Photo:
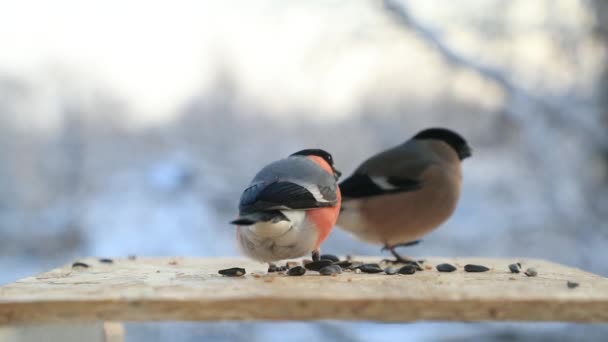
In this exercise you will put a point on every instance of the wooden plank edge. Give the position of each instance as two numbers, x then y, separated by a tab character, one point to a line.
583	311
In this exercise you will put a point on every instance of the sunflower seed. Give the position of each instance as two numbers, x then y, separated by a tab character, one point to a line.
407	269
344	263
317	265
390	270
514	268
291	264
232	272
531	272
572	285
475	268
370	268
445	268
331	257
296	271
330	270
80	264
106	261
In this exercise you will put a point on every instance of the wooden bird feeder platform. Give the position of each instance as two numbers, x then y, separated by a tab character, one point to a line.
190	289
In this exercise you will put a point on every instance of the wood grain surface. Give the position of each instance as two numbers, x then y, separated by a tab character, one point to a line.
190	289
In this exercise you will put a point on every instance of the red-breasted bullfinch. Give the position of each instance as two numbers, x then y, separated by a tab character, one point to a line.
401	194
289	208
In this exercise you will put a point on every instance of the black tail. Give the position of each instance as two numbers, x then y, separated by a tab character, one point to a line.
243	222
264	216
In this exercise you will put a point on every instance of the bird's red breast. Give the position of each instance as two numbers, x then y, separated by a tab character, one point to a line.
325	218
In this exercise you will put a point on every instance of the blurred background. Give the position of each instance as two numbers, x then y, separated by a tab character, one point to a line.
131	127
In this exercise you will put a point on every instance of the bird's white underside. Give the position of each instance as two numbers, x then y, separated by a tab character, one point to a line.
270	242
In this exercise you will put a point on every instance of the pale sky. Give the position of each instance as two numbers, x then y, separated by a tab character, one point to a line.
321	57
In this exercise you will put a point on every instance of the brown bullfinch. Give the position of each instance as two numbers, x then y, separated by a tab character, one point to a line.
289	208
403	193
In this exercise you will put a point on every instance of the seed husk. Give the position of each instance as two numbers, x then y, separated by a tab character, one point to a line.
317	265
232	272
331	270
106	261
445	268
370	268
475	268
531	272
572	284
344	263
296	271
407	269
291	264
390	270
359	265
355	264
331	257
514	268
80	264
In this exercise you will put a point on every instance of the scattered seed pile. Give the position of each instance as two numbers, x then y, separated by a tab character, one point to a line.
331	265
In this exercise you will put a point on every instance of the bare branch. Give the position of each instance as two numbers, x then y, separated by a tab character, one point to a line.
520	101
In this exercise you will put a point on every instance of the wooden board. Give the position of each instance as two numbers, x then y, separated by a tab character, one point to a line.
190	289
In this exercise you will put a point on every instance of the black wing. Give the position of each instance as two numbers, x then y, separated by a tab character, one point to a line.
279	195
359	185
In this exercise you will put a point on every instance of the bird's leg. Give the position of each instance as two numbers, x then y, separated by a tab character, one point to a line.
316	255
403	244
398	258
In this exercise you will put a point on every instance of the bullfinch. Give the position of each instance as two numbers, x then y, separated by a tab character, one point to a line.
289	208
403	193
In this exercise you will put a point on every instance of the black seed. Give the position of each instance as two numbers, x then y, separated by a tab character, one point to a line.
531	272
514	268
317	265
572	285
296	271
291	264
106	261
344	263
421	261
416	265
80	264
272	268
232	272
359	265
355	264
407	269
445	268
390	270
330	270
475	268
331	257
370	268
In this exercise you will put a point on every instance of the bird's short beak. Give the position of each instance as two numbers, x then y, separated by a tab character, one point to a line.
337	173
466	153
